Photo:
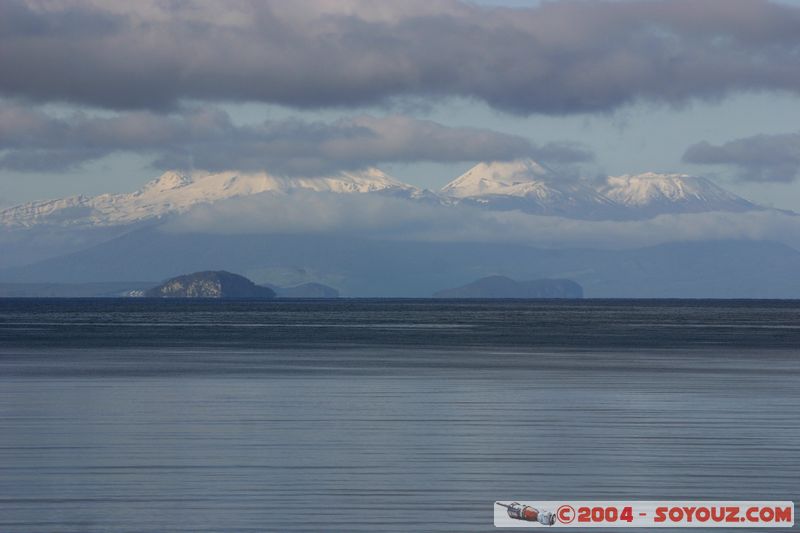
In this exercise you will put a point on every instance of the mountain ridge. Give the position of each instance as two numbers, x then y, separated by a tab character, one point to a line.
523	185
173	192
531	187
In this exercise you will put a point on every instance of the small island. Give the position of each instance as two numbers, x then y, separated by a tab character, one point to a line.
210	284
503	287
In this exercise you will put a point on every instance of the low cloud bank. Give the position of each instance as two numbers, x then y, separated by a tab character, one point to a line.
381	217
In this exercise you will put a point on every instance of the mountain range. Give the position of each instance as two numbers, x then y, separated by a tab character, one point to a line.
118	237
532	188
173	192
520	185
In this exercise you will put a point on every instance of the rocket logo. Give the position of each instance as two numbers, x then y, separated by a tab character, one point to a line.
517	511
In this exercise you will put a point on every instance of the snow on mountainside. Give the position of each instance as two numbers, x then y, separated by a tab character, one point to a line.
522	185
689	192
528	186
175	193
516	178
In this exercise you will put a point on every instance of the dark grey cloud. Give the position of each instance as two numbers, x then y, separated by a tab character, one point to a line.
206	138
563	152
758	158
558	57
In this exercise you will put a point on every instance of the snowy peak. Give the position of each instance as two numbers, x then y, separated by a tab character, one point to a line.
527	186
651	188
167	182
514	178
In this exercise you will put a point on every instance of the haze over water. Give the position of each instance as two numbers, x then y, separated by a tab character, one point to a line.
136	415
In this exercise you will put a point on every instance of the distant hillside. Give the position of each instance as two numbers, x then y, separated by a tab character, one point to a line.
373	268
503	287
209	284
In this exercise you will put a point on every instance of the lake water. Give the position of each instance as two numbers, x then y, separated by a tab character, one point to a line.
361	415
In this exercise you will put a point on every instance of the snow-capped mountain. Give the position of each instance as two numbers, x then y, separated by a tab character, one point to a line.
527	186
173	192
516	178
522	185
670	193
530	187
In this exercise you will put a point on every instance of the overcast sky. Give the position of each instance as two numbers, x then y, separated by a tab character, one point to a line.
101	96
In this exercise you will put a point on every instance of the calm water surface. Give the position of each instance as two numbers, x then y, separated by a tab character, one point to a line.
385	415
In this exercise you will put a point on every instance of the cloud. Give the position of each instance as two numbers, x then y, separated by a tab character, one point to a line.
556	58
384	217
762	158
206	138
